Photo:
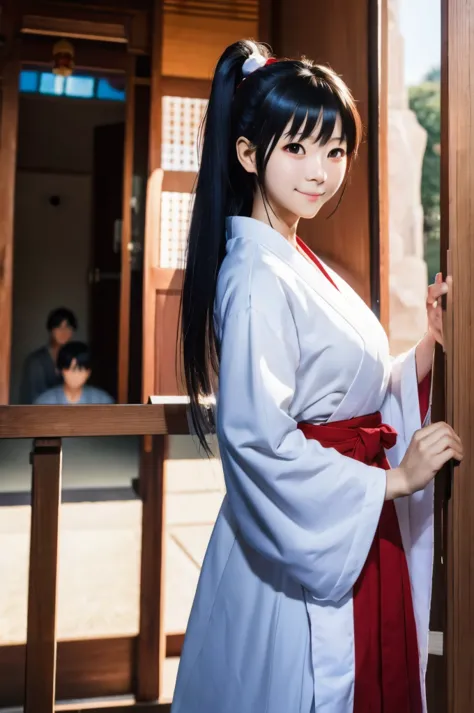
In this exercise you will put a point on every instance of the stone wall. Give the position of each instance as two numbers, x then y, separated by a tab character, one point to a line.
406	145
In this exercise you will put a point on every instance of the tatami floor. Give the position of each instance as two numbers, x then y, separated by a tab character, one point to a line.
99	560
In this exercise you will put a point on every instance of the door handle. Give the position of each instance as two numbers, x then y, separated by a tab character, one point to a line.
96	276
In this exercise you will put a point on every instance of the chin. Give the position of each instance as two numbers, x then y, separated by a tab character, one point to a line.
309	214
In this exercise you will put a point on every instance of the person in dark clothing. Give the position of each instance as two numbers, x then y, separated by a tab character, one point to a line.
74	365
39	371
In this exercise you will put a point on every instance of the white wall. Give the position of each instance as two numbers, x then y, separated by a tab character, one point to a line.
52	244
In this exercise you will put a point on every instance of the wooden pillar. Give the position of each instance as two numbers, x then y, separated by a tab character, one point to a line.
153	207
8	149
40	680
152	639
458	207
346	36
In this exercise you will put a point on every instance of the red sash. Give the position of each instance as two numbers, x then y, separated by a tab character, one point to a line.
387	678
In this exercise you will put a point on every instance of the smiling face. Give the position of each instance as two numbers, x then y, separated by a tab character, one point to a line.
301	176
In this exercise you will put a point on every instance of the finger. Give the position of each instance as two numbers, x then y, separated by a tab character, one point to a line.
435	444
444	457
434	428
428	436
436	290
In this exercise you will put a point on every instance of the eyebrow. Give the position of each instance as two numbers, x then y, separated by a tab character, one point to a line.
297	137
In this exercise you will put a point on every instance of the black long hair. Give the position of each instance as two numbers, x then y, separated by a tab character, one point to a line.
258	107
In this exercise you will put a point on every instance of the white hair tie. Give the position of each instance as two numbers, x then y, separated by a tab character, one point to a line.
255	61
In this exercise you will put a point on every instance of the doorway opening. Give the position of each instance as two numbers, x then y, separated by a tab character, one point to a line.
68	214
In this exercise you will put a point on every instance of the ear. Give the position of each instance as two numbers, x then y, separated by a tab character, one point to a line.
246	154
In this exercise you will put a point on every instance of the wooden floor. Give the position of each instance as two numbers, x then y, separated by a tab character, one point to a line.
100	554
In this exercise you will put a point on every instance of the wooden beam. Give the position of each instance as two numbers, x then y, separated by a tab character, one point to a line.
185	87
150	264
38	51
86	668
110	707
151	650
40	678
80	29
80	421
156	87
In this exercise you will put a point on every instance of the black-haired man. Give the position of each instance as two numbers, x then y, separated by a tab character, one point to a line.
74	365
39	370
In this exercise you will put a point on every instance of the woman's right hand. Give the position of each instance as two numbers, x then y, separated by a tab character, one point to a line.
430	448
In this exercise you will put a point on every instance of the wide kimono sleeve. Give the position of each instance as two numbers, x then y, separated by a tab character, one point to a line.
406	408
307	507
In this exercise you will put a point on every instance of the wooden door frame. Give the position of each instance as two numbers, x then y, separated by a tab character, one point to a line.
458	226
29	51
75	669
8	158
125	269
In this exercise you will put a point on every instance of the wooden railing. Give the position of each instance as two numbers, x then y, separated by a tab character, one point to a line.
142	657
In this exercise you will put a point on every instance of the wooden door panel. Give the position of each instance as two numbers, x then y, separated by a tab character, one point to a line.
309	29
168	374
105	275
457	205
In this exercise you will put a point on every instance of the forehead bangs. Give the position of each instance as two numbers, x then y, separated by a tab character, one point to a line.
310	106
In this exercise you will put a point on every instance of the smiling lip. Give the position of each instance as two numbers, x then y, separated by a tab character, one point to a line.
311	196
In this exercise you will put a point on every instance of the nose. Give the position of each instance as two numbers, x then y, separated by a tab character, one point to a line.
317	172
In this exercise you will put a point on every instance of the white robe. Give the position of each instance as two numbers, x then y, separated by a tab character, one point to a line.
271	628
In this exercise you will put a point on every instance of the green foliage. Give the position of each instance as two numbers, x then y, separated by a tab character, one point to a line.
425	101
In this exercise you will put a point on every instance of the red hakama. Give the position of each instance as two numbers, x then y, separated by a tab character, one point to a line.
387	676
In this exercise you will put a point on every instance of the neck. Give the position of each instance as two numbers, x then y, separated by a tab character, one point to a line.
72	395
53	350
283	222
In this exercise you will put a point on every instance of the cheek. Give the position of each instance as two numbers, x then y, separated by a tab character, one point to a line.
281	173
338	173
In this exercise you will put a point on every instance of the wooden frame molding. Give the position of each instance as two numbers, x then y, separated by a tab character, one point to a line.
458	210
113	420
125	281
8	152
74	28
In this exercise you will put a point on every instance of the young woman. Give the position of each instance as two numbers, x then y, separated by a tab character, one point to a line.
315	590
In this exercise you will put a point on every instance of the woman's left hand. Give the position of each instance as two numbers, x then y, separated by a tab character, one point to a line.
433	306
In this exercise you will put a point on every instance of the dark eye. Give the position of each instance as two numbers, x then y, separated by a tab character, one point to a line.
337	153
295	149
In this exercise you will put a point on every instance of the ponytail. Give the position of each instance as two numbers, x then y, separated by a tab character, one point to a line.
206	244
292	93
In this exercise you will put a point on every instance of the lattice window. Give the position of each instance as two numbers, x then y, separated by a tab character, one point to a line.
182	118
175	214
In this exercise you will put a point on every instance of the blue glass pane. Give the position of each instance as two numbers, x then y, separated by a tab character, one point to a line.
106	91
51	84
28	81
80	87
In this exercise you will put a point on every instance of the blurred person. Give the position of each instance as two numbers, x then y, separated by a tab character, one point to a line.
39	370
74	367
